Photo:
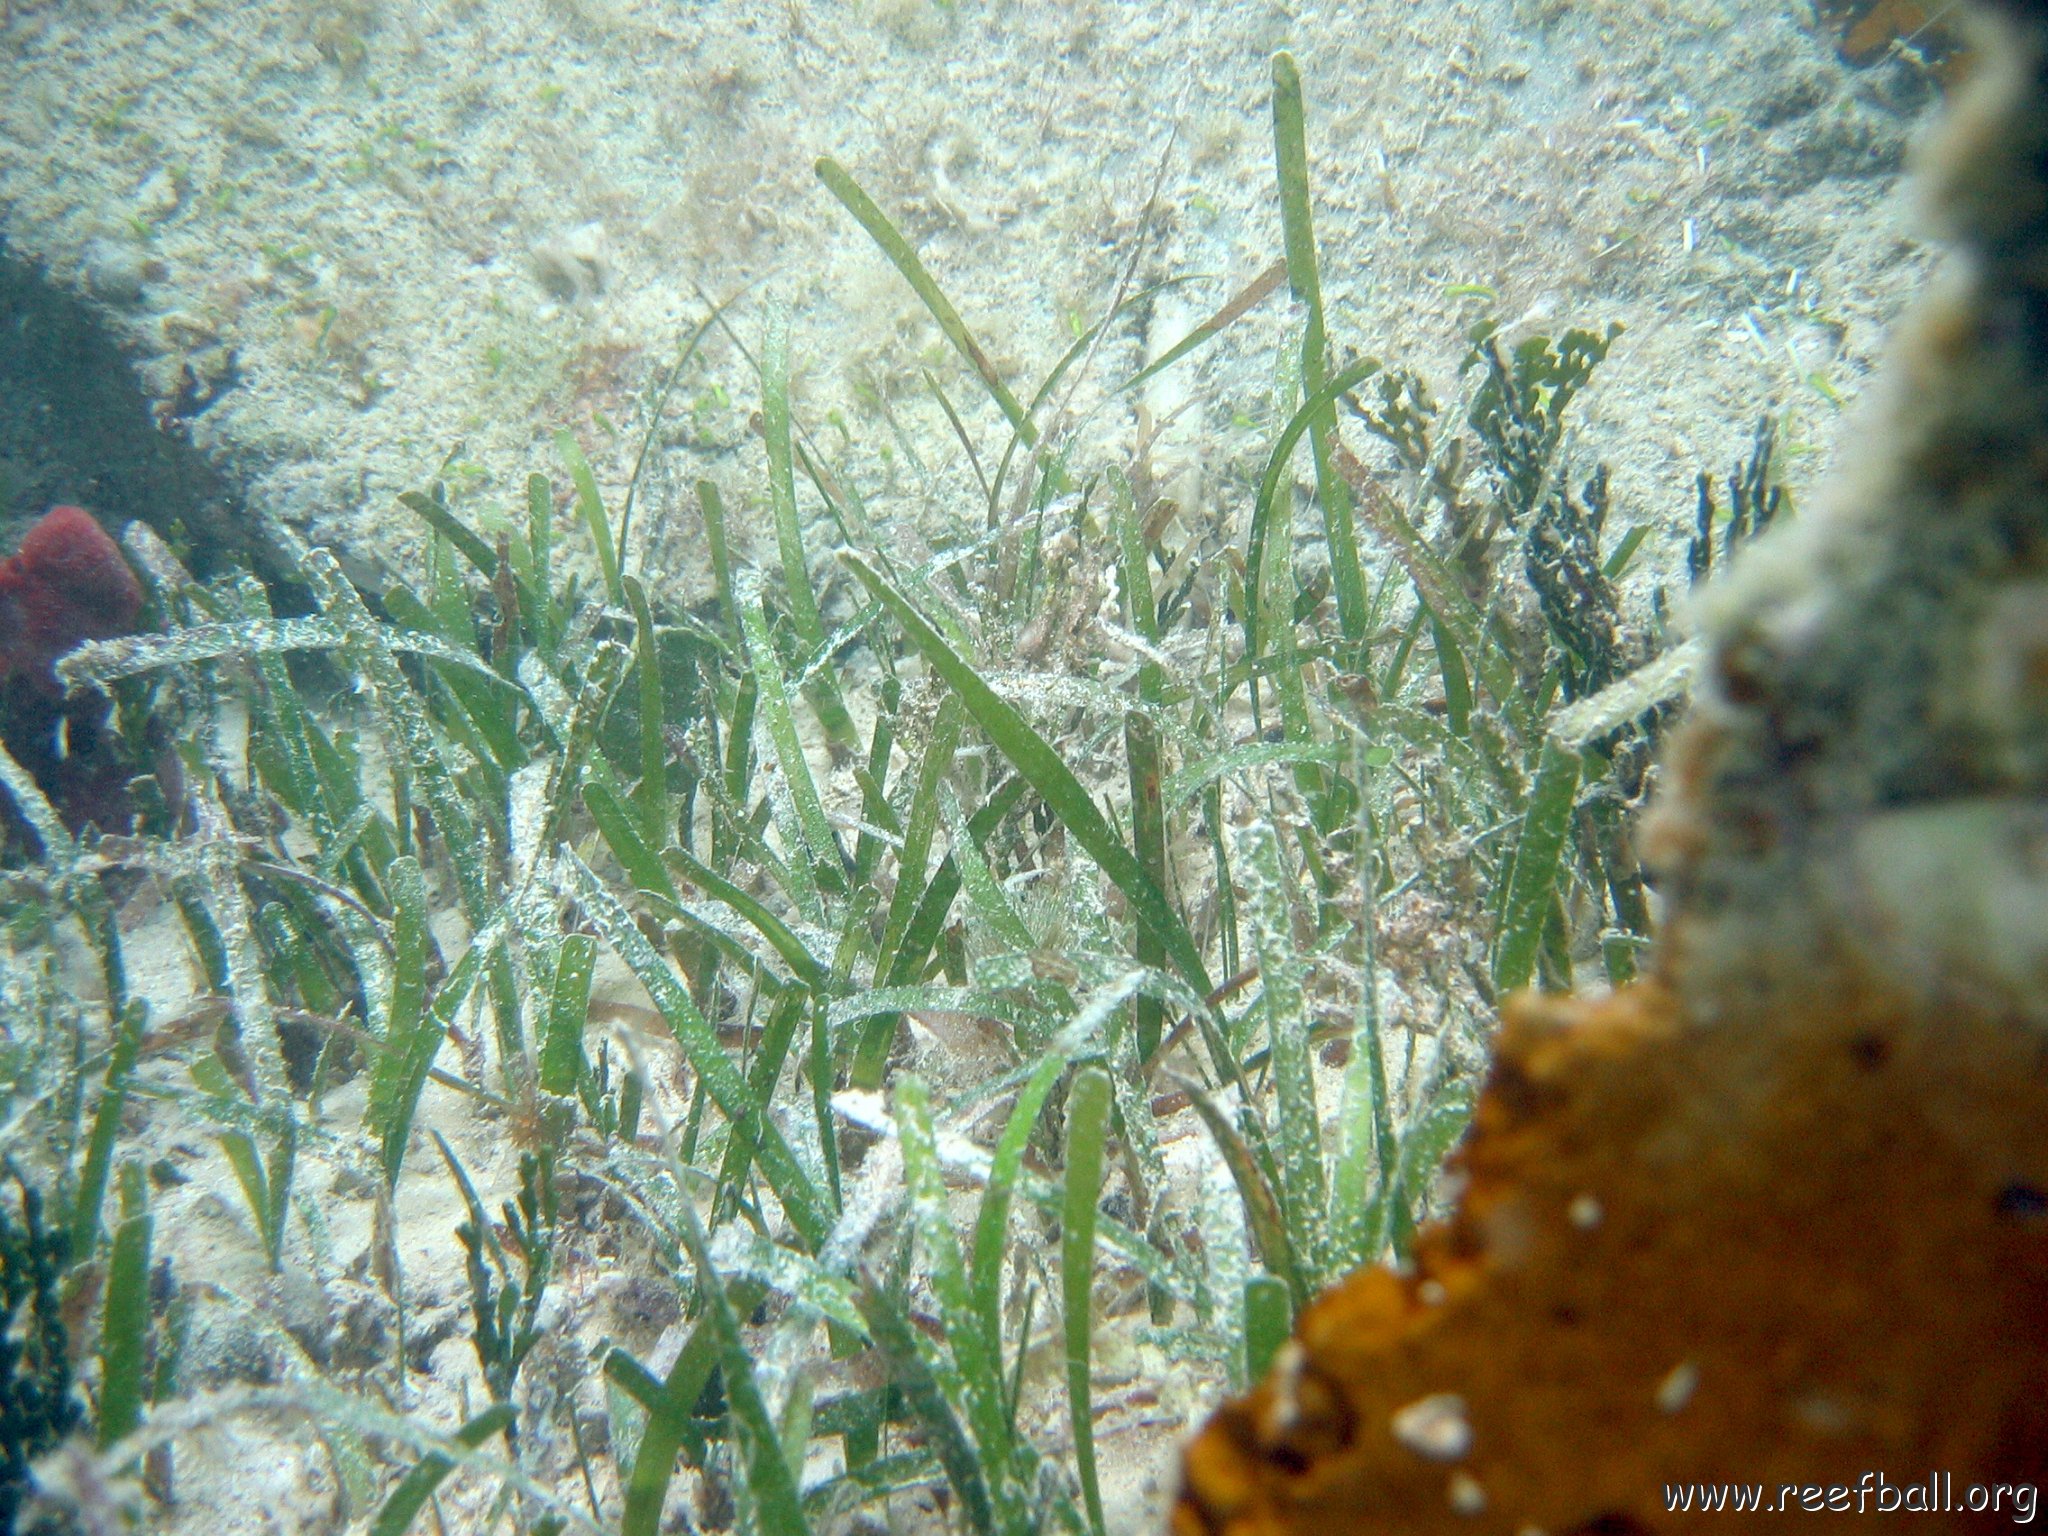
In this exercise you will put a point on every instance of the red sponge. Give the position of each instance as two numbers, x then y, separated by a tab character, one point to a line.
66	584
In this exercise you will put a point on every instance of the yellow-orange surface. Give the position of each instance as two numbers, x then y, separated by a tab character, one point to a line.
1796	1251
1866	31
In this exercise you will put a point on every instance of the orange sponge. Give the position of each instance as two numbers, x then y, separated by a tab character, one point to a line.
1810	1260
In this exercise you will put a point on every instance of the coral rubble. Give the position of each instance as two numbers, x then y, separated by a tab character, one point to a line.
1777	1218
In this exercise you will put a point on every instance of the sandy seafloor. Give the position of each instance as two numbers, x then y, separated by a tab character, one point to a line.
411	231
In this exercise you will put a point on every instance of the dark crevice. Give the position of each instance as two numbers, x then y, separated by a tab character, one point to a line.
76	427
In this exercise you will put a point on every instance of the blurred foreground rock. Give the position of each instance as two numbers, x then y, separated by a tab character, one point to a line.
1779	1217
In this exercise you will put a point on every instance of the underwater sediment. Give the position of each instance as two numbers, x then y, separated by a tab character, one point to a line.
1777	1217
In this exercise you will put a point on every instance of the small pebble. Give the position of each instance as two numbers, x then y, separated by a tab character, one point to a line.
116	273
1465	1494
157	198
1435	1427
1584	1213
1676	1389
